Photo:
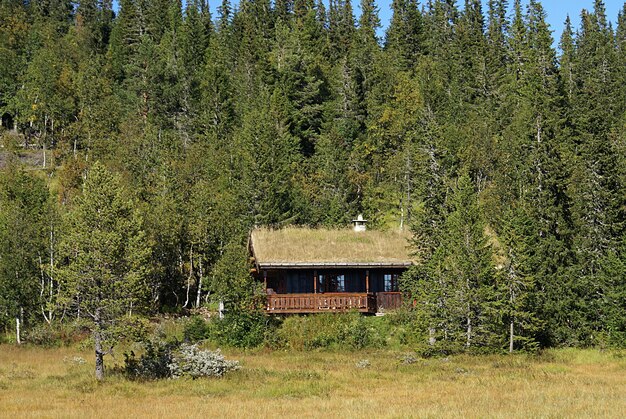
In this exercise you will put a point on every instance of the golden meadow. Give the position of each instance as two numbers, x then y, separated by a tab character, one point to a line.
59	383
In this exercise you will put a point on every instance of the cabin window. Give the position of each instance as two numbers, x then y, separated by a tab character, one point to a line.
391	282
341	283
332	283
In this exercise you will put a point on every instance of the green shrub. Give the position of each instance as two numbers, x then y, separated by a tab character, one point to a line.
242	329
57	334
325	331
197	329
153	364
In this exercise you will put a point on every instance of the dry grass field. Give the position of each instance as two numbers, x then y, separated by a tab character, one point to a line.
36	382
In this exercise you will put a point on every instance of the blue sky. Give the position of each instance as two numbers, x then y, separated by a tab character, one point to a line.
557	11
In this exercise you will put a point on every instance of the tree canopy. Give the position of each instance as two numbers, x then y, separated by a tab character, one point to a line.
504	156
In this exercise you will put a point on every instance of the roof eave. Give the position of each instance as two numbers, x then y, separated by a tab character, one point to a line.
327	265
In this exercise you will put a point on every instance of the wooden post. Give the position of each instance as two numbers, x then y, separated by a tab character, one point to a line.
314	282
367	281
265	281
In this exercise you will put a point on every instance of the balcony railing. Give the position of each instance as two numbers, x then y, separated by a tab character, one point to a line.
319	303
386	301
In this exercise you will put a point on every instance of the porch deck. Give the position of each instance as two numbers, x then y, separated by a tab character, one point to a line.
332	302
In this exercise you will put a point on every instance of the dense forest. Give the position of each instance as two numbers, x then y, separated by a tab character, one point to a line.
140	145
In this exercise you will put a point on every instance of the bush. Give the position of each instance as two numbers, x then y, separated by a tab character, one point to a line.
153	364
59	334
346	331
243	329
361	332
192	362
197	329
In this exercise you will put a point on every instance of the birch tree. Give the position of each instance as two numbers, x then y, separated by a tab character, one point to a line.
24	211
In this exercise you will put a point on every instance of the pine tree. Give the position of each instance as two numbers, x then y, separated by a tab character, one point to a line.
93	21
534	175
497	55
269	158
107	253
341	30
613	310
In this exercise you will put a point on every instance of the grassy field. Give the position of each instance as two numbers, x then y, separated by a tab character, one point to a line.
37	382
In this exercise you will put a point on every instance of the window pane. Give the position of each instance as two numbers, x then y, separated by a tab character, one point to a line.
341	283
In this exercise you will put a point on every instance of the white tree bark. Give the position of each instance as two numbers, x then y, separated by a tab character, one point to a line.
18	336
190	276
199	294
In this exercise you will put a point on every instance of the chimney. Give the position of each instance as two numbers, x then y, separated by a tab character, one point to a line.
359	223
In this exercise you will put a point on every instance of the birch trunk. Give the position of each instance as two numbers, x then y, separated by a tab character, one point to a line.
189	277
469	331
18	337
199	294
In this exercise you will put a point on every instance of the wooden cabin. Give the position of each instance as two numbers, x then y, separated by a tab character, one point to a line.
320	270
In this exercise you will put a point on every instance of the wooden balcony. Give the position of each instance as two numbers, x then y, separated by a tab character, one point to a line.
321	303
386	301
332	302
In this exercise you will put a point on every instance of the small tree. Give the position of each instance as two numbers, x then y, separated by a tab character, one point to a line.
231	280
455	288
106	250
516	280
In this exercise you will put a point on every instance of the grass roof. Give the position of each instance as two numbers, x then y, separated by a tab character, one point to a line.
306	245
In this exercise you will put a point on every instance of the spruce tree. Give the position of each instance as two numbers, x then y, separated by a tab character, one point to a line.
595	186
458	293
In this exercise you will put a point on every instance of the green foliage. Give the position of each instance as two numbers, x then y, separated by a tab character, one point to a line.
107	250
25	214
242	329
330	331
153	364
503	156
58	334
107	253
455	291
231	280
195	330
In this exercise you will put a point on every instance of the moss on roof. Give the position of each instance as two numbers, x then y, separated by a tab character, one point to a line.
306	245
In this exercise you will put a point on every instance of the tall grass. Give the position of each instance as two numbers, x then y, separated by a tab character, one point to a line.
37	382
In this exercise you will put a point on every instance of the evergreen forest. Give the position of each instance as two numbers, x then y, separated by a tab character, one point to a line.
141	143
